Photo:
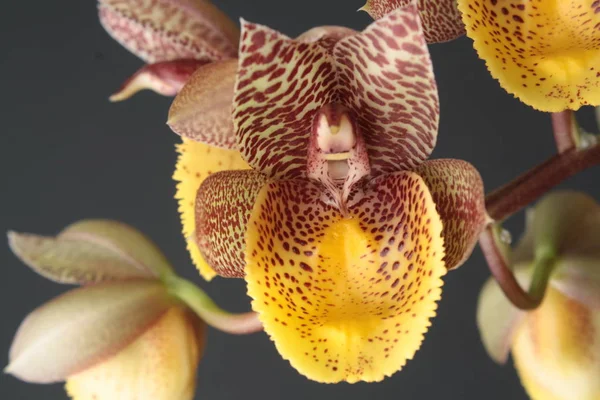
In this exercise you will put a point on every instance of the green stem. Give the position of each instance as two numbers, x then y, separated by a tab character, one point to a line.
497	254
209	311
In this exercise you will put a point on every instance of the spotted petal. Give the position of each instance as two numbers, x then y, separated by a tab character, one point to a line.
457	191
91	251
441	18
202	109
223	206
383	75
195	163
546	53
164	30
346	298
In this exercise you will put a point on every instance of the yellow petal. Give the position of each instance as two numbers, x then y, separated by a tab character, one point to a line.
557	350
197	161
346	299
546	53
160	365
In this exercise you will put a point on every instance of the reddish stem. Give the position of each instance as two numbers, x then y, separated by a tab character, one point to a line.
527	188
564	127
503	274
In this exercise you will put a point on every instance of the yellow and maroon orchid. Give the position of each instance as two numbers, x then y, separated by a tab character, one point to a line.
440	18
133	330
174	37
341	229
546	53
554	347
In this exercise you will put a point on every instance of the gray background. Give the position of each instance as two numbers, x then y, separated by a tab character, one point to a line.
66	153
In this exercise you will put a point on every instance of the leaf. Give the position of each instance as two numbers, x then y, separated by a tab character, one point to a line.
83	327
91	251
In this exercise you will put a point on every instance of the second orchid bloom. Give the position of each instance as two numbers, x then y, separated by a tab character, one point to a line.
341	228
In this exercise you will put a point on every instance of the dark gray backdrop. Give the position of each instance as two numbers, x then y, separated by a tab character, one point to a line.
66	153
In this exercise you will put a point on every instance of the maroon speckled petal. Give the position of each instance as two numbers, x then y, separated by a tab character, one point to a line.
223	206
457	190
163	30
441	18
202	109
165	77
383	75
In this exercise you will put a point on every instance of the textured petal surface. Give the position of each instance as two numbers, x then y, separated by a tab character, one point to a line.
83	327
223	206
557	351
457	191
346	299
546	53
166	78
383	75
91	251
497	318
163	30
195	163
159	365
441	18
202	110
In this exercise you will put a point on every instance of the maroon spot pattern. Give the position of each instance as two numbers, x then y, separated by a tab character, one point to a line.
164	30
384	75
387	284
223	205
441	18
457	191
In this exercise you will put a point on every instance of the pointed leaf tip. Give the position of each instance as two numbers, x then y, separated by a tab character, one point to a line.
90	251
165	78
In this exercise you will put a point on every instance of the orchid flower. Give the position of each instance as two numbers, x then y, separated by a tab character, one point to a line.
554	347
440	18
133	330
173	37
546	53
341	229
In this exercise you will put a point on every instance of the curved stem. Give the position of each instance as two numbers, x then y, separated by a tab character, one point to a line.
496	256
566	134
528	187
209	311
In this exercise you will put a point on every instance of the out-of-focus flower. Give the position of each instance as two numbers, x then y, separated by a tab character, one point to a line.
546	53
125	334
342	229
174	37
555	347
441	19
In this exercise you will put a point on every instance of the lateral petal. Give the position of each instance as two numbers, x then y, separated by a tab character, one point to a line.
224	203
164	30
457	191
346	298
195	163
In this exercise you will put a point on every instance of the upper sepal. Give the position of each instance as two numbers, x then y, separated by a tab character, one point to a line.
383	75
457	191
441	18
91	251
83	327
164	30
